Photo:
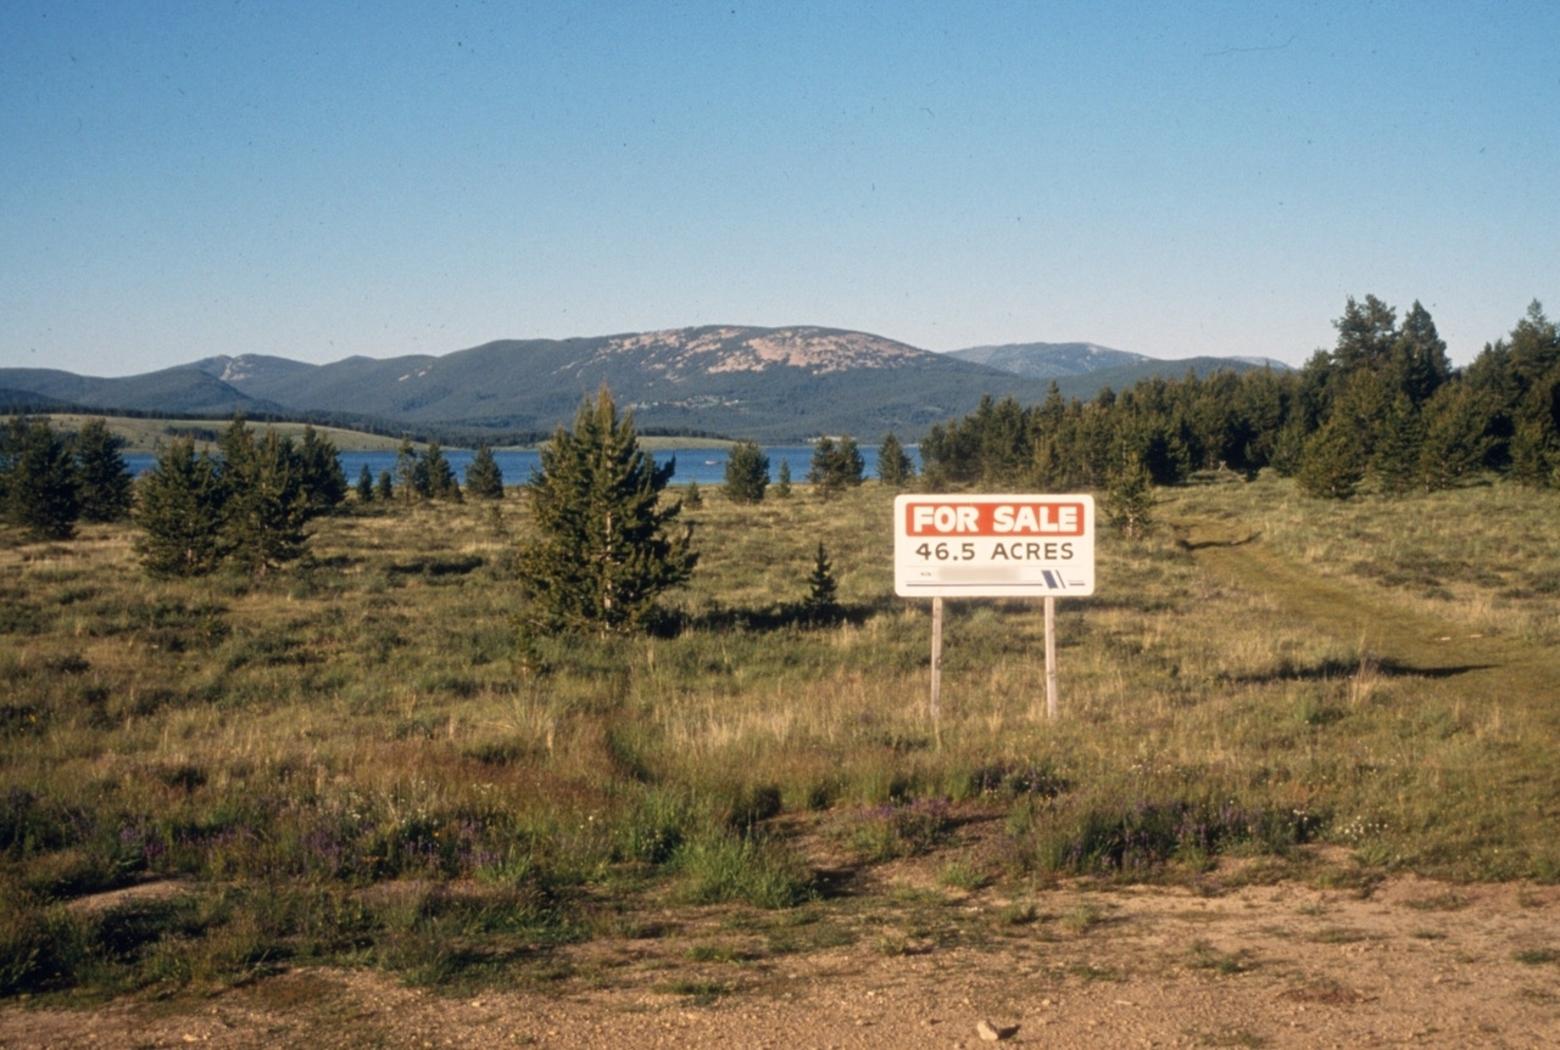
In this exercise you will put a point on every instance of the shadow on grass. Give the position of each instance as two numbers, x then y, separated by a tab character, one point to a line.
1198	545
1332	670
835	883
455	565
778	617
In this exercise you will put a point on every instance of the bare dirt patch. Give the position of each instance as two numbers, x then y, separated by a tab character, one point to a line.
1415	962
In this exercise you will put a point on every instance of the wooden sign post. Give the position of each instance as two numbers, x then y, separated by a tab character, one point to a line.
1050	657
994	547
935	707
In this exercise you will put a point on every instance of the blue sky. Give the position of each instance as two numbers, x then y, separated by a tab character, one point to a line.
318	180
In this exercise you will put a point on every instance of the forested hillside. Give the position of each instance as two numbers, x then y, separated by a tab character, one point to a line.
1383	409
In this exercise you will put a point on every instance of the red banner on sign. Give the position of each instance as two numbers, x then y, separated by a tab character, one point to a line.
1025	518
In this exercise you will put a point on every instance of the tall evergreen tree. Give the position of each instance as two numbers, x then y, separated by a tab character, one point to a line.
894	466
41	488
783	480
441	483
266	505
1420	365
1456	422
101	474
747	473
484	479
12	436
1535	413
1129	496
1399	446
1360	410
236	447
1535	453
1331	466
835	465
603	547
1367	334
324	482
1289	447
1047	470
179	511
411	472
384	487
365	485
818	469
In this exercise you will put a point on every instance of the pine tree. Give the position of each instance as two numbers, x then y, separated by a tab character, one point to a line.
849	465
747	473
1289	447
12	437
439	477
1129	497
693	499
835	466
41	493
1399	444
483	478
1367	333
1421	365
384	488
266	505
818	471
236	447
1048	469
411	472
365	485
603	549
893	464
783	480
821	604
1456	440
1331	466
179	511
102	478
324	482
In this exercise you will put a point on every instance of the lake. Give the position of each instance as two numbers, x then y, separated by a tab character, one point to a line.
707	466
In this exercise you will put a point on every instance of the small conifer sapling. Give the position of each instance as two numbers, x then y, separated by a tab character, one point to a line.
822	603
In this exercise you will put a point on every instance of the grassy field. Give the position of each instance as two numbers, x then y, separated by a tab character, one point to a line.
151	435
359	762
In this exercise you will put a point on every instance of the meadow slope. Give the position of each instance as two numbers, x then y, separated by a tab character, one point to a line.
1332	726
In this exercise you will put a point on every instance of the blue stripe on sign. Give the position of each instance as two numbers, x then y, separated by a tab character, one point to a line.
1050	581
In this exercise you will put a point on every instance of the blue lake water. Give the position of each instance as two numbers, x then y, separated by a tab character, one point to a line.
707	466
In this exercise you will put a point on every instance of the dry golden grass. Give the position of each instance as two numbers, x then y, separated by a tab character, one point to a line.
365	719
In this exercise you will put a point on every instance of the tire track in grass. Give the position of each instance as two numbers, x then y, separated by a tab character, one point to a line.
1480	667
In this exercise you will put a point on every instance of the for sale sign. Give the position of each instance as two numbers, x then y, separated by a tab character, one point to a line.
994	546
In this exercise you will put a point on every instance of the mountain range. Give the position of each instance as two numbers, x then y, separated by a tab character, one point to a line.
771	384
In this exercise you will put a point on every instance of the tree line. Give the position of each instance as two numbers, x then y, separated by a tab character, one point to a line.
246	505
1383	409
49	482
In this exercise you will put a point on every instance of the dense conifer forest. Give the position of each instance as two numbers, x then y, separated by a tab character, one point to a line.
1383	409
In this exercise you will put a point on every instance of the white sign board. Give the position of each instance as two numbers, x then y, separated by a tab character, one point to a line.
962	546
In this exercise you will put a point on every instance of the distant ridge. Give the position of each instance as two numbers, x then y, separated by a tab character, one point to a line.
184	389
1089	384
771	384
1048	360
